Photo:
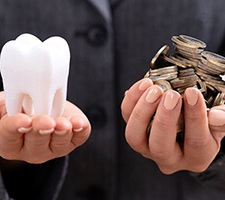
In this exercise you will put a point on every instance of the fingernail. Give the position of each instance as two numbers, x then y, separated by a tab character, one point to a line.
125	93
24	130
145	84
216	117
171	100
63	132
46	132
192	96
153	95
78	129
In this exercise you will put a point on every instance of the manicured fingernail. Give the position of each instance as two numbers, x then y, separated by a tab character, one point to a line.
217	117
145	84
171	100
46	132
24	130
78	129
153	95
192	96
125	92
63	132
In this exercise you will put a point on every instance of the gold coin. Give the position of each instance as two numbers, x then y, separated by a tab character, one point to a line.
165	85
174	61
213	57
191	67
162	51
193	41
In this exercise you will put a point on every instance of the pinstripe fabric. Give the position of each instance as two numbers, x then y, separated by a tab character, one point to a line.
111	45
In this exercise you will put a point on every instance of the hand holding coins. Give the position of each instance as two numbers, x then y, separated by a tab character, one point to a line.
179	135
189	66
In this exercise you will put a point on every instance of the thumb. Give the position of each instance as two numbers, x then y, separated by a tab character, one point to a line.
216	118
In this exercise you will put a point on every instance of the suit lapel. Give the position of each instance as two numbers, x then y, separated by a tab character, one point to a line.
103	7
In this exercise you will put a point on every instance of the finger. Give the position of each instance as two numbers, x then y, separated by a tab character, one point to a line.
132	96
15	123
61	137
81	127
2	105
43	124
71	110
37	141
11	138
140	117
63	125
81	130
13	127
216	118
162	141
200	146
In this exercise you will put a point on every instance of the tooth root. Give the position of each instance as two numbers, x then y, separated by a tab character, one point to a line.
13	103
58	102
28	106
35	75
42	105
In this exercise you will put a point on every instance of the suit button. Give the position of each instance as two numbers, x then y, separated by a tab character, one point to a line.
97	34
97	116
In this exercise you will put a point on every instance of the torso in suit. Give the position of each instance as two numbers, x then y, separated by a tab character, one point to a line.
111	45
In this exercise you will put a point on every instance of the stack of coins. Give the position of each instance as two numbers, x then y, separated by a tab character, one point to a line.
210	69
189	66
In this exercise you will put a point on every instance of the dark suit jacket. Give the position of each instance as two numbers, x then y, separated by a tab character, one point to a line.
111	45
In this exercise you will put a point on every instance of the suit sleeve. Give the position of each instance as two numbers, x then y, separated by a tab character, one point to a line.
34	181
214	176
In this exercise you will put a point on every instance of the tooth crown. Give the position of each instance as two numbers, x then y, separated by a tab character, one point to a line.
35	75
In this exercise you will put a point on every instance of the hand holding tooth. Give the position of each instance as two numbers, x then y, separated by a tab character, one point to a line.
37	123
41	138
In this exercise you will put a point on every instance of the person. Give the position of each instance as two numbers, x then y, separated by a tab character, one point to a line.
111	44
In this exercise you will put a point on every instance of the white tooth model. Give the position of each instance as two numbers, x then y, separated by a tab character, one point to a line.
35	75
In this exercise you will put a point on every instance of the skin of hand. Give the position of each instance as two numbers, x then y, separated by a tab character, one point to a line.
40	138
217	121
201	140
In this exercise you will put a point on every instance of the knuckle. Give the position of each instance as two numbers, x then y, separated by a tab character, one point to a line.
146	155
140	115
159	154
166	170
196	143
194	116
170	166
58	147
130	139
35	160
162	123
199	168
8	156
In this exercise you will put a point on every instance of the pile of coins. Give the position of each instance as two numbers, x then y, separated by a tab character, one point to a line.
189	66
